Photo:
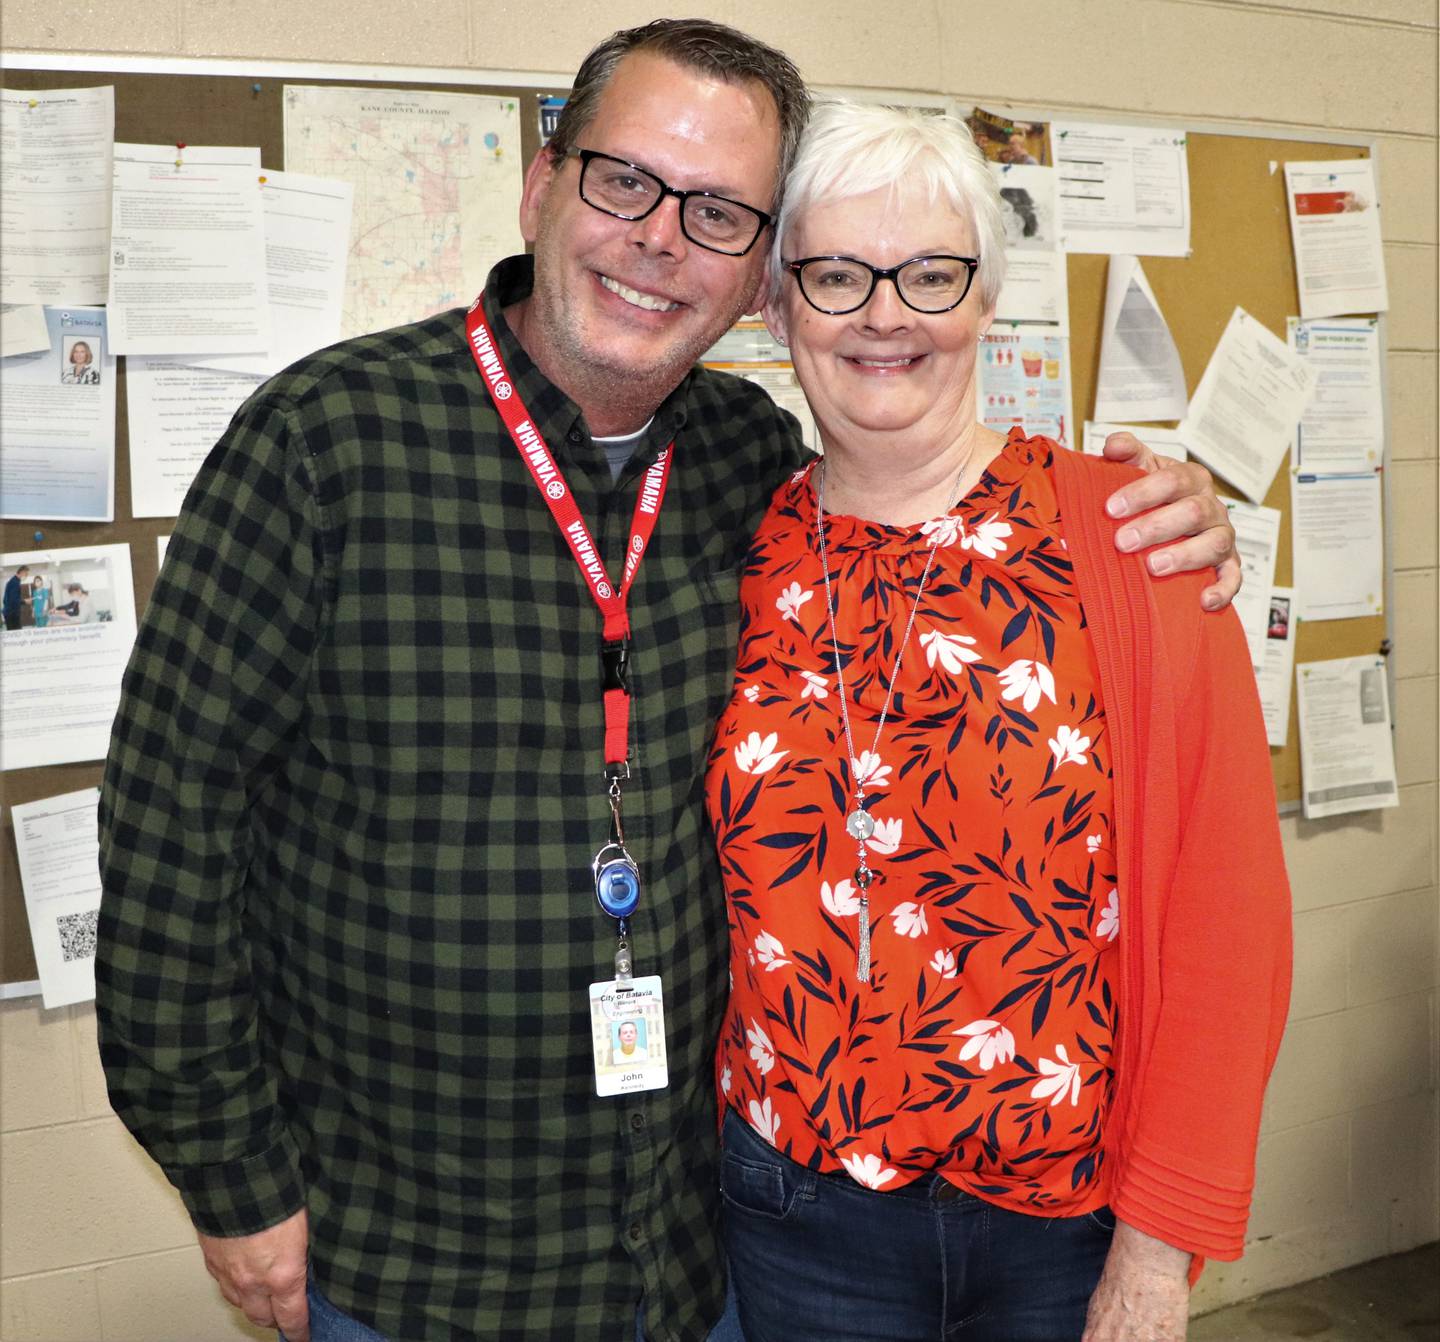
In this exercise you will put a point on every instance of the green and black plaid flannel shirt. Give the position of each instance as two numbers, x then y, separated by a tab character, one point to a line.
347	819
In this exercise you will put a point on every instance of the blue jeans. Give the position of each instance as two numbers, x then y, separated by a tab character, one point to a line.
817	1258
328	1324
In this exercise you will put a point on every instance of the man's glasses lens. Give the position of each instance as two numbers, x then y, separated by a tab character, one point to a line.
927	283
628	192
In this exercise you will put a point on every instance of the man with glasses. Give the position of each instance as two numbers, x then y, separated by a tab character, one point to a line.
402	810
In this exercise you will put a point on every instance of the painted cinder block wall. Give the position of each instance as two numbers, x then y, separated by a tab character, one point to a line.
94	1246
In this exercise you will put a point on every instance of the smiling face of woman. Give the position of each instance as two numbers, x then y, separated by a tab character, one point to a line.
80	353
885	368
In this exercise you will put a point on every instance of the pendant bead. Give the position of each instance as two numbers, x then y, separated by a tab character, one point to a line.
859	824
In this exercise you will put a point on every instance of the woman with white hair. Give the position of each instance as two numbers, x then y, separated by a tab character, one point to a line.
1008	913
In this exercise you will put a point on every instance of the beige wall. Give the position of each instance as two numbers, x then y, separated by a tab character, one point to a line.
93	1246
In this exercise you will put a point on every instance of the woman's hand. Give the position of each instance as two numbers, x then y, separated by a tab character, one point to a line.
1144	1291
1175	507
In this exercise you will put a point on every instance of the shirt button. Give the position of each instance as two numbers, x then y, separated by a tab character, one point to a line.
575	436
637	1122
636	1232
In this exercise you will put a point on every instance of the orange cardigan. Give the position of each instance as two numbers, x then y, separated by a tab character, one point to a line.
1205	912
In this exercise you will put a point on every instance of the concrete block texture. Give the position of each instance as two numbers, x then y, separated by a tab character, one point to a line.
1391	947
1345	858
193	1308
93	25
1412	378
1417	622
1411	278
1417	735
82	1193
51	1307
1413	495
39	1081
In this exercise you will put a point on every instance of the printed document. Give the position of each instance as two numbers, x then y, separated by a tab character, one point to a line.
58	843
307	238
1243	415
1140	375
1343	427
1123	189
1257	538
437	180
1335	229
1347	755
63	665
23	329
57	424
187	243
1037	281
1023	377
1339	551
177	413
55	148
1277	670
1165	441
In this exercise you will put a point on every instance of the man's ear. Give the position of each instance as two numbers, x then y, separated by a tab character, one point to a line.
539	177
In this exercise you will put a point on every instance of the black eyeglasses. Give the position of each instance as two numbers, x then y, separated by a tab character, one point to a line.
839	284
617	188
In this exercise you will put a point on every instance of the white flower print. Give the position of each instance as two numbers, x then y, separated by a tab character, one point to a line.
886	838
765	1120
725	1079
950	650
943	531
1068	746
869	771
769	952
757	755
1031	679
815	684
752	693
1056	1078
988	538
909	920
1094	842
762	1051
988	1039
1109	924
842	901
867	1170
789	601
943	963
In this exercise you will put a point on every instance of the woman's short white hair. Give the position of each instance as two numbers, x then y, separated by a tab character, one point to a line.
851	149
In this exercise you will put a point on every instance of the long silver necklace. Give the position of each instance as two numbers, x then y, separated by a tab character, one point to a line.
859	823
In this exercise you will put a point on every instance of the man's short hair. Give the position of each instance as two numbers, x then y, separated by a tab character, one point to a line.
712	49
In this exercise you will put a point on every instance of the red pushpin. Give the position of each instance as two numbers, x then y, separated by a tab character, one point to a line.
179	144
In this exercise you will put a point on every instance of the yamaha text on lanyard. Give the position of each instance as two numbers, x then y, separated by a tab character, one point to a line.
616	875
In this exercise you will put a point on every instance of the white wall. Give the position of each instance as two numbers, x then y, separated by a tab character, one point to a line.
92	1243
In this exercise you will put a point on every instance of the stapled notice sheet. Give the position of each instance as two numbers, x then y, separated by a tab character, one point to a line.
57	423
57	842
1336	530
1140	376
1242	417
1343	427
1037	280
1347	754
1335	229
1257	539
1277	670
61	685
187	272
1123	189
1167	442
55	149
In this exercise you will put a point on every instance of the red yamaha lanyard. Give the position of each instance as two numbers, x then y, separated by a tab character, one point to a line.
615	648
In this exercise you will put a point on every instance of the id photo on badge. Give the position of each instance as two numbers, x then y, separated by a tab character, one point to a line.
629	1037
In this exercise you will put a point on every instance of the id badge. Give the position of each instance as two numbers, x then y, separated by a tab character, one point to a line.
627	1031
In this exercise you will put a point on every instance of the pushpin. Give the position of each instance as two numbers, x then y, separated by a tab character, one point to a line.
39	538
34	102
262	179
255	89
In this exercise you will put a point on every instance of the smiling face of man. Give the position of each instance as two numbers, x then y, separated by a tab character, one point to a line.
621	310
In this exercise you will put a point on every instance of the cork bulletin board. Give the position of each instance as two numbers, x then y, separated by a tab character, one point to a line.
1241	255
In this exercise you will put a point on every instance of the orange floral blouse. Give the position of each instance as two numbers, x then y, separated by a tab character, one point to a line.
981	1046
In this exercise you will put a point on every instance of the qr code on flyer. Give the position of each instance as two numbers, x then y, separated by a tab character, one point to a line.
77	935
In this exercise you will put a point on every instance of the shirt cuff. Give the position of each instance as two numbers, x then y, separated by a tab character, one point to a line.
243	1197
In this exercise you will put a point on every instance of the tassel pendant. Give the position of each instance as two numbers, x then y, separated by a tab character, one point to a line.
862	954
